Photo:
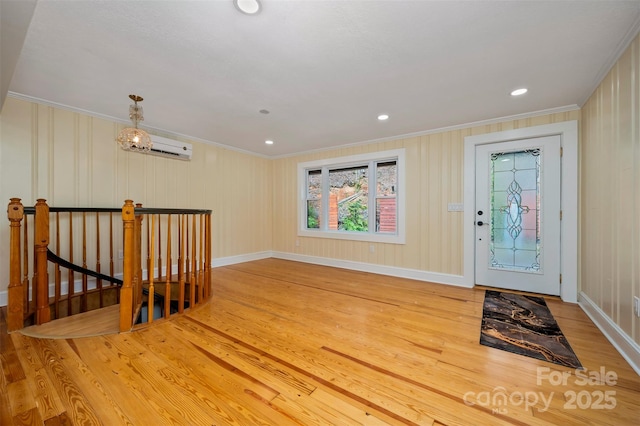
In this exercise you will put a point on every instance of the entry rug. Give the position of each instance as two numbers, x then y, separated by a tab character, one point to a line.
524	325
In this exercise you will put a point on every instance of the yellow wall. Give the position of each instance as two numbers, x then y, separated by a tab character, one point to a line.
610	193
434	178
72	160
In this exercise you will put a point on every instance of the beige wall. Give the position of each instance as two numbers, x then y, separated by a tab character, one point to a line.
610	193
434	240
72	159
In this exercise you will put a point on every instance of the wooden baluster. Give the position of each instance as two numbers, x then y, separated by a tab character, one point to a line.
70	275
159	247
192	277
167	286
151	253
58	272
15	311
43	312
196	257
187	257
98	280
85	287
180	250
187	267
33	307
111	271
111	264
149	267
29	306
188	261
138	275
126	292
181	235
207	257
201	261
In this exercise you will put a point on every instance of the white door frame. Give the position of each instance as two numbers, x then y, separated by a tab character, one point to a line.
568	131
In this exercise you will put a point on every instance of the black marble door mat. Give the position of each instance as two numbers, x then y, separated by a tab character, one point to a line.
524	325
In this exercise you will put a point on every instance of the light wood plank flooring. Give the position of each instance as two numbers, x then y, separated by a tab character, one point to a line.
285	343
93	323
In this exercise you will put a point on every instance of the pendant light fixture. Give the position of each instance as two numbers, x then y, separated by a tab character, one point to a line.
132	138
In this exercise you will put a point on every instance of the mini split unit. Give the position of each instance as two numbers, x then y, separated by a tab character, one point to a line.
170	148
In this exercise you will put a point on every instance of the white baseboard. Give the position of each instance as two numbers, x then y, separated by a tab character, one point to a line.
434	277
414	274
629	349
232	260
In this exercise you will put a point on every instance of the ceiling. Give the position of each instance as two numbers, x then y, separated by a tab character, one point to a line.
323	69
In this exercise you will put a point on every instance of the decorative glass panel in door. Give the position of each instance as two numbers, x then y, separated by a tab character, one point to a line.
515	211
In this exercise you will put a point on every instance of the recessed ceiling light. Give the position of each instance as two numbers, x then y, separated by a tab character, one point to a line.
519	92
383	117
269	142
250	7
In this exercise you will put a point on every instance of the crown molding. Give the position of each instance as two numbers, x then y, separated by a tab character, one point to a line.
169	134
153	130
523	116
616	53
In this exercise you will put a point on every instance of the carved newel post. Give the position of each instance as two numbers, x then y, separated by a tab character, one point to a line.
15	314
126	292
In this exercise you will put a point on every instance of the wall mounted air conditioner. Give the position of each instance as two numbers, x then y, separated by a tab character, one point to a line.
170	148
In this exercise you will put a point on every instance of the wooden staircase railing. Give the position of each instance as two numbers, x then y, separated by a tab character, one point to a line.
39	293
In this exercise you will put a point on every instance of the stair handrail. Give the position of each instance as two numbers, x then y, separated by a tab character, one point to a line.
131	292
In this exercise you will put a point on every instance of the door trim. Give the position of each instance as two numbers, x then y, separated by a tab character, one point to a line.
568	132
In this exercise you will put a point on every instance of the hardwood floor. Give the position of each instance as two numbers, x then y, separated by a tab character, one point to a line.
92	323
288	343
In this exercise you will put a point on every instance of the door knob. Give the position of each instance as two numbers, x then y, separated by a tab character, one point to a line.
480	223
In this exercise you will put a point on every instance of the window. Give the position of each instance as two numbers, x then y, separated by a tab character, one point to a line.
358	197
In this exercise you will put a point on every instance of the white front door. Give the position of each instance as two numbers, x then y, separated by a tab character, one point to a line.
517	217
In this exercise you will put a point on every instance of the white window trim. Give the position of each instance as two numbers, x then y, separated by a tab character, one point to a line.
397	238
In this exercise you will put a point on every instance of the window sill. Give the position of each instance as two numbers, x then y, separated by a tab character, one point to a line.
353	236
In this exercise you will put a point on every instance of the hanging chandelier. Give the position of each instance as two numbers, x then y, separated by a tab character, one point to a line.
132	138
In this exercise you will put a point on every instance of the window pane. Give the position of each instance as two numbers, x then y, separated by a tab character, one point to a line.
386	215
349	189
353	215
386	179
386	184
314	193
314	184
313	214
